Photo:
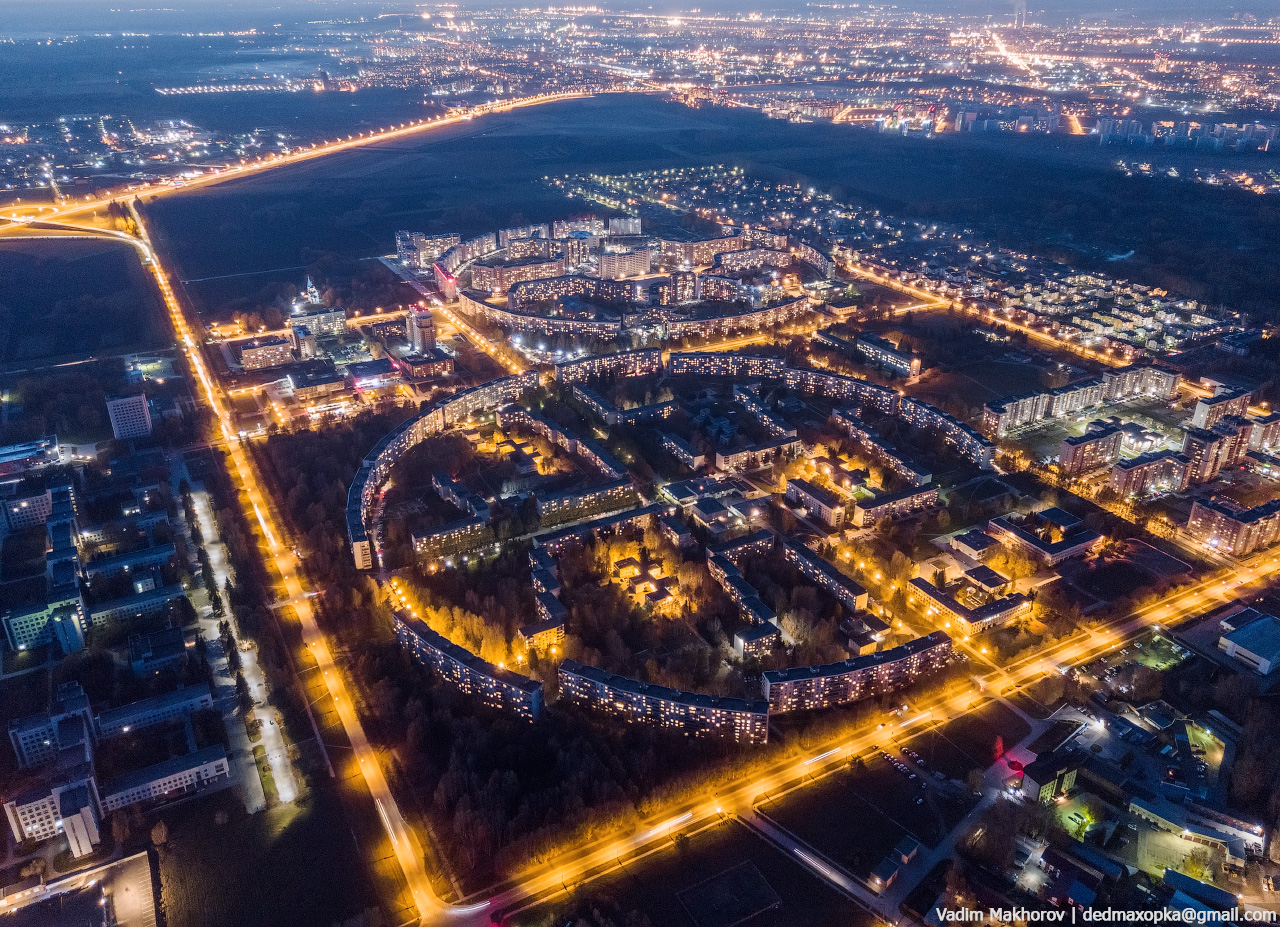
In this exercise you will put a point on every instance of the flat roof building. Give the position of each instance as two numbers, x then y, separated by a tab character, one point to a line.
1233	529
178	777
823	503
1209	411
884	353
1033	537
1256	643
690	713
822	686
894	504
1097	447
130	417
497	687
260	353
994	614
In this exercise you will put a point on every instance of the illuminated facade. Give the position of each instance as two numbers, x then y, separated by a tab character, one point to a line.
828	507
496	687
688	713
994	614
758	455
580	503
624	364
749	397
266	352
1137	380
894	504
454	538
1159	472
965	440
883	353
726	364
874	446
844	589
1097	447
616	265
1209	411
501	277
378	463
806	688
1000	418
846	389
1060	543
1233	529
700	253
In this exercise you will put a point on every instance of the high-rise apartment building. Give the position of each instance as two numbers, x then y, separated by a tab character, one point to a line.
1097	447
421	330
130	417
1161	471
1209	411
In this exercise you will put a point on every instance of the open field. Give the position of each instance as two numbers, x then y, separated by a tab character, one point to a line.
489	173
856	816
968	742
214	874
67	300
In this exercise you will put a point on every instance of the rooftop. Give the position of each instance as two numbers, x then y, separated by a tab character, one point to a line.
1261	637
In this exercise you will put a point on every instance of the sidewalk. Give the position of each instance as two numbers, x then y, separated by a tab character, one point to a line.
240	749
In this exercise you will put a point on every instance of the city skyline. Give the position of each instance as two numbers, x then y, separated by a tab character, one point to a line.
636	467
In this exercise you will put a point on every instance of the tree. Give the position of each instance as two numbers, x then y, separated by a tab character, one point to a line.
120	828
160	833
242	692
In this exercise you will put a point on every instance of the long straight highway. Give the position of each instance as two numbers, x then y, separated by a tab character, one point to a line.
260	510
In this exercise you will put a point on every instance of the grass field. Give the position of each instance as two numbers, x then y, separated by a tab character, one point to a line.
836	817
292	866
653	887
66	300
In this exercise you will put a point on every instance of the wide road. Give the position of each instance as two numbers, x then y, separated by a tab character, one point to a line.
591	861
402	840
70	208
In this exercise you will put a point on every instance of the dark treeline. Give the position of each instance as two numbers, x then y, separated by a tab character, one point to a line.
310	473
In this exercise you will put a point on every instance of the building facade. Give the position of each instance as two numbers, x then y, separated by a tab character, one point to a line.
496	687
688	713
823	686
130	417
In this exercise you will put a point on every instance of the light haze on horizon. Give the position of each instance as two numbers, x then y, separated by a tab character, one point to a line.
23	19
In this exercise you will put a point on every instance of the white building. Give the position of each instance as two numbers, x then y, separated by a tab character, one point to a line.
421	331
70	807
149	712
616	265
130	417
172	779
